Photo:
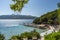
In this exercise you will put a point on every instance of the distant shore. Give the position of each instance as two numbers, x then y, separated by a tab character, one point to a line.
15	19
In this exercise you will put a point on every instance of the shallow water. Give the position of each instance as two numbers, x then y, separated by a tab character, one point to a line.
13	27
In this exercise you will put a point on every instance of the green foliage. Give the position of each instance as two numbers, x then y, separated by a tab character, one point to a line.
36	20
26	35
58	15
18	5
34	33
50	17
16	37
53	36
2	37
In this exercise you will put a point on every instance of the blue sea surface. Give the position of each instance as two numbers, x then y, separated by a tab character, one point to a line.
14	27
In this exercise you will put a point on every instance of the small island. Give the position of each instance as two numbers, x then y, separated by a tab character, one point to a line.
17	17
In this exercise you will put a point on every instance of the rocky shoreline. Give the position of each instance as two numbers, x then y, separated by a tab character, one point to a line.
41	26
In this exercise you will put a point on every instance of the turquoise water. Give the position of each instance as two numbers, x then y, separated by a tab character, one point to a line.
13	27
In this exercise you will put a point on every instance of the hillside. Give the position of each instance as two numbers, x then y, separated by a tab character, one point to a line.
16	17
53	36
49	18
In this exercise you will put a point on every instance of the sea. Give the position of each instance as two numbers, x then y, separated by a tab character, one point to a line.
10	27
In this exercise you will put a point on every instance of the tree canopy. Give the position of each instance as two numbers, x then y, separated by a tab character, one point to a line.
18	5
26	35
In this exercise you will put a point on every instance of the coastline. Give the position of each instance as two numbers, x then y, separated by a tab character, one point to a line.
40	26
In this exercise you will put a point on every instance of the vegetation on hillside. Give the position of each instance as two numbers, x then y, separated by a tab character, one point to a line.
49	18
52	17
58	12
53	36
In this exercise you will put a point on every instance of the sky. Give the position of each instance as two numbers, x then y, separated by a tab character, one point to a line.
33	7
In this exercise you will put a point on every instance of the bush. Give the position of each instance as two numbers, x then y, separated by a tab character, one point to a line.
53	36
2	37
